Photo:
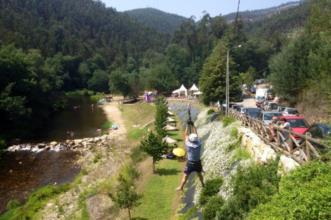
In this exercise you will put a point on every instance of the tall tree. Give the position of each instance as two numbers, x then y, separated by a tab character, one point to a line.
213	79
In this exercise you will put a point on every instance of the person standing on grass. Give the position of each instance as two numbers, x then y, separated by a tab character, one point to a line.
193	147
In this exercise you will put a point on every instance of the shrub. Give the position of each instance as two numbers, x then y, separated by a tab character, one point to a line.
106	125
210	111
161	116
240	154
251	186
137	155
227	121
234	132
304	194
12	204
212	207
212	187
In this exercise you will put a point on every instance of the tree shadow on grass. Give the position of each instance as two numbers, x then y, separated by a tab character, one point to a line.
167	172
139	218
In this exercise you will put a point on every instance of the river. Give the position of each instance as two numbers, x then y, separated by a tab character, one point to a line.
23	172
81	119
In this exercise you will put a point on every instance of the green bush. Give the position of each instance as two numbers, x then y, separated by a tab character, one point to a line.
212	207
12	204
35	202
210	111
227	121
251	186
212	187
240	154
304	194
234	133
2	144
161	116
137	155
106	125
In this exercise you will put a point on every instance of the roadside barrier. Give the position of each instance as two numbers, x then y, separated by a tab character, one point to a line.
301	148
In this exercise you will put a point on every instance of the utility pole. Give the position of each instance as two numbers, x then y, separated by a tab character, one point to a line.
227	93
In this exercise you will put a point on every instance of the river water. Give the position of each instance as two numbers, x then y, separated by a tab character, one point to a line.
23	172
80	119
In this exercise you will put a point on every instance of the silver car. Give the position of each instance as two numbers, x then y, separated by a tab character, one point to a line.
290	111
266	117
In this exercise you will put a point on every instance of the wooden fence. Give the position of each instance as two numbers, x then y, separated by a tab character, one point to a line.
301	148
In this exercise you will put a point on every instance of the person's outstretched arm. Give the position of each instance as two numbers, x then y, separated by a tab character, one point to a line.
186	134
194	130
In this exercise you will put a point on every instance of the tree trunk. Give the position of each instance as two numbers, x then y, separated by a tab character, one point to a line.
153	166
129	213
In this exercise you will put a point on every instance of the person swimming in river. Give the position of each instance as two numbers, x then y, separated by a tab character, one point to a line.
193	147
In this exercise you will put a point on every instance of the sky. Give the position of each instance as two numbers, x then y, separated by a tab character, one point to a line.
196	8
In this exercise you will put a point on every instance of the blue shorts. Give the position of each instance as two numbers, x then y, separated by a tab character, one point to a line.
193	166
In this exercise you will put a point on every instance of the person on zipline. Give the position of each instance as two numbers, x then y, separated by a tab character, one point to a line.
193	147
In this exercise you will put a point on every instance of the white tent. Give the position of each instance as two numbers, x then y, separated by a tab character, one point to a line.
171	113
194	88
182	91
197	93
170	128
169	140
169	119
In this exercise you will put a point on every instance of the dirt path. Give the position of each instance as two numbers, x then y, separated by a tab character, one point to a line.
114	115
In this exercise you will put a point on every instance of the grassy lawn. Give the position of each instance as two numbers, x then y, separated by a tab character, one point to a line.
159	194
160	199
136	117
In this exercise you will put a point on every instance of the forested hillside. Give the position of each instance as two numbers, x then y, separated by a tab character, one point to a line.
158	20
55	46
256	15
52	47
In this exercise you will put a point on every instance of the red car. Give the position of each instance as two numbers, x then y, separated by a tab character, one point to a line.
298	124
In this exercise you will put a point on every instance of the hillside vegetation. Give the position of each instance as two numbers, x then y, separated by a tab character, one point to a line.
157	20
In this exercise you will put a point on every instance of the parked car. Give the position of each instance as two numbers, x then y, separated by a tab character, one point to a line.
266	117
280	108
253	89
270	94
298	124
290	111
252	112
237	107
259	101
270	106
320	131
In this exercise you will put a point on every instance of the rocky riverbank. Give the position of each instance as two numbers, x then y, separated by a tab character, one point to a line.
68	145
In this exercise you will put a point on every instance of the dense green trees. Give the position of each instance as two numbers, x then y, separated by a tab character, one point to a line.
301	70
158	20
213	78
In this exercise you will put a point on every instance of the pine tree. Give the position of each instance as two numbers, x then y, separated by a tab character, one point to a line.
126	196
153	146
161	116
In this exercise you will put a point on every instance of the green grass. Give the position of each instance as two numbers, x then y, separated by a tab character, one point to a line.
35	202
159	192
136	116
227	120
240	154
136	133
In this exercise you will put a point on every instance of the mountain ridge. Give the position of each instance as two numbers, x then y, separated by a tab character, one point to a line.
156	19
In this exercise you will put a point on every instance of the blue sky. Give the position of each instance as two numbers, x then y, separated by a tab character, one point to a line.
193	7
